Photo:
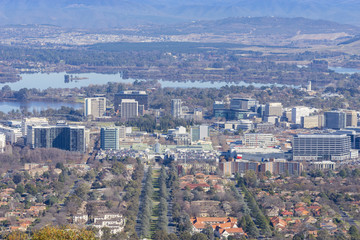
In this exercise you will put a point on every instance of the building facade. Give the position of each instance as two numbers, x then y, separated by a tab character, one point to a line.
321	147
176	110
199	133
109	138
70	138
140	96
335	119
129	109
95	107
242	103
273	109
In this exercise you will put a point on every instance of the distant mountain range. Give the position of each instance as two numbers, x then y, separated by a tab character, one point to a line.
121	13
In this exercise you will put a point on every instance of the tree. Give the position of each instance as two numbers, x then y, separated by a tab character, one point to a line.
17	235
185	236
323	235
250	178
54	233
20	189
161	235
199	236
209	232
17	178
354	233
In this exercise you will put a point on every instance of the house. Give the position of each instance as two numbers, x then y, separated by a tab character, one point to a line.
286	213
310	220
233	231
301	211
273	211
115	222
204	186
200	223
278	223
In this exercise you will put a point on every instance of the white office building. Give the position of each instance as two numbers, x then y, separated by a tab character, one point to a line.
129	109
95	107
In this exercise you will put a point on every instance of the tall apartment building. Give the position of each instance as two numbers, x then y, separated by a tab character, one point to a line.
129	109
259	140
176	110
273	109
243	104
321	147
199	133
109	138
32	121
65	137
335	119
140	96
95	107
351	118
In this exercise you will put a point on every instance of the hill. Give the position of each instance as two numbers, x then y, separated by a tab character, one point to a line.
115	13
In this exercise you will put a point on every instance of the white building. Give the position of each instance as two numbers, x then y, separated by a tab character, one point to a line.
259	140
129	109
11	134
95	107
273	109
176	109
32	122
199	133
298	112
2	142
115	222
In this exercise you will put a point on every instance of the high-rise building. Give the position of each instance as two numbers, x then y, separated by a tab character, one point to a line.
243	104
70	138
109	138
140	96
122	132
199	133
321	147
129	109
351	118
95	107
273	109
32	121
176	110
2	142
335	119
298	112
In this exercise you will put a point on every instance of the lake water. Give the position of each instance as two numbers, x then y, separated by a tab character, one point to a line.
345	70
57	80
35	105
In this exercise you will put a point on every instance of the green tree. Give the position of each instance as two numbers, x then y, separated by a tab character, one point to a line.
354	233
199	236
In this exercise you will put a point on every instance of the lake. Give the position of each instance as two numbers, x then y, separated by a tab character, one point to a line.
56	80
8	106
345	70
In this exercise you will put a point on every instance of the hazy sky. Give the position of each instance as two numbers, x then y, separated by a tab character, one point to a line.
113	13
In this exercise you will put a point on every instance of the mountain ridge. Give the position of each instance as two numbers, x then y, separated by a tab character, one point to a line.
111	13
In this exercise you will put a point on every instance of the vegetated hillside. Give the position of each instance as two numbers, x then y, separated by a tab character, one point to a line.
258	26
113	13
